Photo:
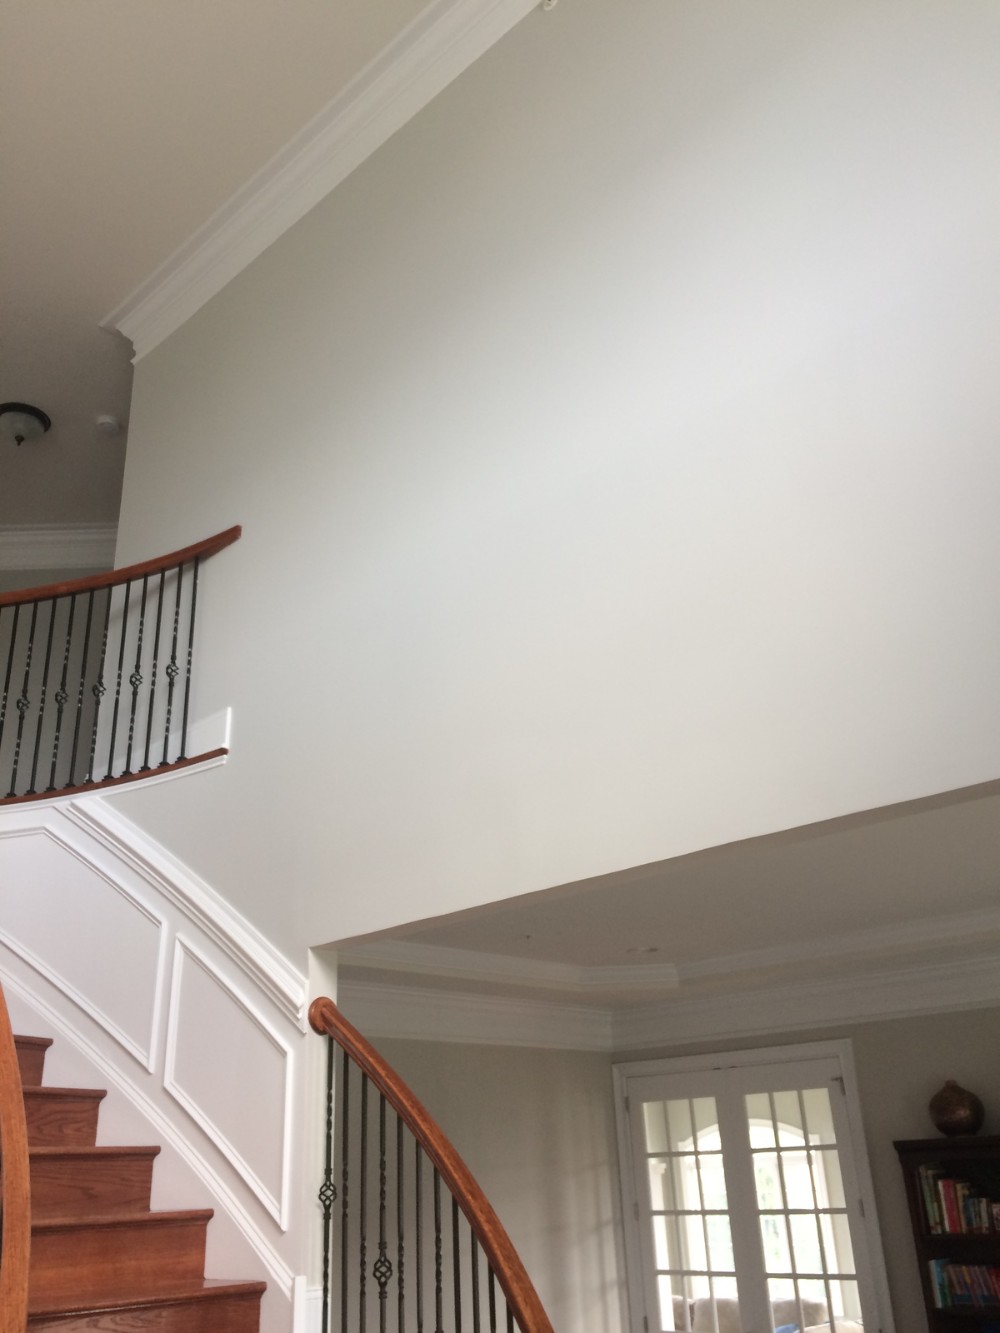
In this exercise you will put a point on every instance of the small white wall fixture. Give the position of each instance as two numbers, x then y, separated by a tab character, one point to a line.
180	1004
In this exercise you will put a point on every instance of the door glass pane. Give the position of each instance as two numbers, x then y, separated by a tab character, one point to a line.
761	1124
805	1243
788	1114
819	1115
829	1181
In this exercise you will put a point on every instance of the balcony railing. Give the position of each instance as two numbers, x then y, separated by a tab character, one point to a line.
97	676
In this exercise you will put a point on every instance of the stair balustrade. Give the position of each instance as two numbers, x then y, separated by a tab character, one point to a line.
414	1240
15	1194
97	676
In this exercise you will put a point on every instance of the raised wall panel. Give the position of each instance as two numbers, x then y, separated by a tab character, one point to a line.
87	935
232	1074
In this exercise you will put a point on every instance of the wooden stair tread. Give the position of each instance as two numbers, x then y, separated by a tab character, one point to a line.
91	1094
78	1221
205	1288
91	1152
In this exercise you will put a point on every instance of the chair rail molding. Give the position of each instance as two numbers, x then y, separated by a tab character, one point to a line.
444	39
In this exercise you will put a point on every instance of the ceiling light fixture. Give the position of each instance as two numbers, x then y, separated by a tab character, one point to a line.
21	421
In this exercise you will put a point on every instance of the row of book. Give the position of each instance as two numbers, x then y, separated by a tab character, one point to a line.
955	1284
950	1207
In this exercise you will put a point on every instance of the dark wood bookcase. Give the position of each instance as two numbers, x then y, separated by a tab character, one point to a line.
942	1168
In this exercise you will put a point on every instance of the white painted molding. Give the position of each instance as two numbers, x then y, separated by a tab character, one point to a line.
432	51
470	965
280	1273
276	1205
967	983
269	969
58	546
421	1014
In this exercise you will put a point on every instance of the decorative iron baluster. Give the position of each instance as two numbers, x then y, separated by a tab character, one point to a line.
475	1283
23	701
363	1287
419	1196
345	1096
382	1271
10	668
44	695
62	696
118	681
172	670
153	671
190	654
99	689
456	1266
71	776
328	1190
510	1320
135	679
492	1299
438	1258
400	1214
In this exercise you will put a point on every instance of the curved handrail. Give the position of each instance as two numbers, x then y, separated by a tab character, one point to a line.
523	1300
96	674
15	1199
129	573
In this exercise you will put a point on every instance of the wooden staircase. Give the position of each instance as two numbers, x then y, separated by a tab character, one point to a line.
101	1261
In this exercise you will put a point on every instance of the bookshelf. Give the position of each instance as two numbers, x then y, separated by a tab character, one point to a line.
953	1192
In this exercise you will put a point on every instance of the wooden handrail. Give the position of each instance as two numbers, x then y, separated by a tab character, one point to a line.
115	577
326	1019
16	1197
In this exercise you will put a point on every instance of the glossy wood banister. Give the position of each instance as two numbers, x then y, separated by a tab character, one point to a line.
15	1196
522	1299
129	573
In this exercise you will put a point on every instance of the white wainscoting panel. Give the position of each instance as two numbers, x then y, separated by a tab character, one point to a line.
222	1057
85	933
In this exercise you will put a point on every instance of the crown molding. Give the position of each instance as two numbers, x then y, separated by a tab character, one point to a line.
58	546
424	1014
421	1014
469	965
434	49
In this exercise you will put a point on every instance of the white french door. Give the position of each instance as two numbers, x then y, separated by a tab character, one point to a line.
743	1196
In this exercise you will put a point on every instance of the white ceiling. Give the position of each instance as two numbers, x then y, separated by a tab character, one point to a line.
124	125
906	885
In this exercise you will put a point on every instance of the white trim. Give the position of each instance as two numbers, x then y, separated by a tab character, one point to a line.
307	1307
968	983
180	885
145	1056
276	1206
425	1013
421	1014
469	965
280	1272
430	52
58	546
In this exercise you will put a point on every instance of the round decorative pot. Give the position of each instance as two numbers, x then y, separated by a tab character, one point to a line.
955	1110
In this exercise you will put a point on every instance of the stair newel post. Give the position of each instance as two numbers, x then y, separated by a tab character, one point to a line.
15	1200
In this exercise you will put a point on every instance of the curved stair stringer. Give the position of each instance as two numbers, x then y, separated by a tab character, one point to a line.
160	991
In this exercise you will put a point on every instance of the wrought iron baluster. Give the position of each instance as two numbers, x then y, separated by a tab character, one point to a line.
328	1190
475	1283
400	1215
382	1271
419	1195
491	1289
363	1288
135	679
456	1265
98	689
345	1096
172	670
153	671
23	701
62	696
510	1320
190	653
39	721
71	776
10	668
438	1258
118	681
